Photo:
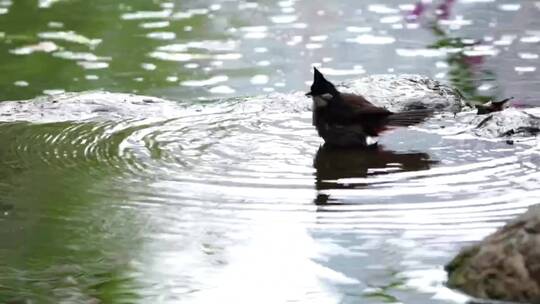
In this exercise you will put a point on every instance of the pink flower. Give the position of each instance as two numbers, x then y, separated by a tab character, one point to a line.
473	60
443	10
418	10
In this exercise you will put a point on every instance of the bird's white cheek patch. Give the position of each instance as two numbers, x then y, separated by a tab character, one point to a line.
319	102
371	140
327	96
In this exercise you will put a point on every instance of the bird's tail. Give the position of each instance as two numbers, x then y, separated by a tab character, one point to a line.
408	118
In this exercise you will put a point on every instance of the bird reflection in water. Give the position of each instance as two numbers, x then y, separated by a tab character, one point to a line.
332	164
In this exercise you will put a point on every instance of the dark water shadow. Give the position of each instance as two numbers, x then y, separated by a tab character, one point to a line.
332	164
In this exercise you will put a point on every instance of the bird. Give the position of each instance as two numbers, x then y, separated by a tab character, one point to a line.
350	120
492	106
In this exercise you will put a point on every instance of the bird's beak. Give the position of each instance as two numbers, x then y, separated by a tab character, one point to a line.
309	94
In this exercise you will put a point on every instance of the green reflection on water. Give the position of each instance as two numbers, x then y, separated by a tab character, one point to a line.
64	233
466	72
124	46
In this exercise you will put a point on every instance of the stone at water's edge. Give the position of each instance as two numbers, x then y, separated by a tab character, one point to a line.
510	122
406	92
83	106
504	266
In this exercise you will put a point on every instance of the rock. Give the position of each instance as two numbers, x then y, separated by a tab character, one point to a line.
93	105
511	122
406	92
504	266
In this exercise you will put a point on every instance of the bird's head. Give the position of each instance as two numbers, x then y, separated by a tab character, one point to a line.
322	90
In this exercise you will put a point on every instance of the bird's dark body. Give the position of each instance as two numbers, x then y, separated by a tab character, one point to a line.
346	120
492	106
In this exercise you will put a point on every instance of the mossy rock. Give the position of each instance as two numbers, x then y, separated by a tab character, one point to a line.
505	266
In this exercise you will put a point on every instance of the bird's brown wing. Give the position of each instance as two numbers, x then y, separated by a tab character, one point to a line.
361	106
355	100
373	119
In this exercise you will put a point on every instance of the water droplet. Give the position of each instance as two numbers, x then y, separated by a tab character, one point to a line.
167	5
206	82
485	87
530	39
93	65
524	69
528	56
153	25
284	19
247	5
148	66
45	46
55	24
259	79
505	40
172	56
390	19
440	75
53	91
441	64
147	15
161	35
510	7
381	9
223	89
70	37
371	39
318	38
288	10
311	46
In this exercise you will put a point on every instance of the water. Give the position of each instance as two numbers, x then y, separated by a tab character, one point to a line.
234	200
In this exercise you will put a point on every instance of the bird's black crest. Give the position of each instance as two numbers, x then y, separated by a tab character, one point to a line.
320	85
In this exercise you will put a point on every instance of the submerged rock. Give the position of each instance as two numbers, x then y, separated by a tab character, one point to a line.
509	123
504	266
